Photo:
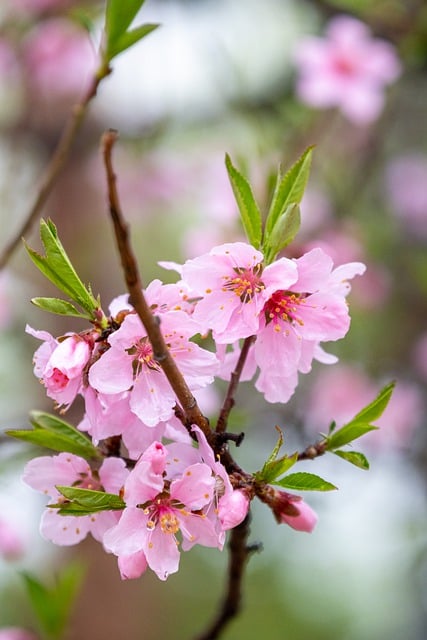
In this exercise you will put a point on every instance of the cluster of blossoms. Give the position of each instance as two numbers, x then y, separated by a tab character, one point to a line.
176	493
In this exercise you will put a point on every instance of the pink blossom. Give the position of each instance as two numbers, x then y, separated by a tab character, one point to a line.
406	189
157	508
348	69
59	363
233	509
129	365
233	285
45	473
12	546
297	319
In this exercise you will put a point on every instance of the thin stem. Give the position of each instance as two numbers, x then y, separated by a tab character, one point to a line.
133	281
55	164
221	425
239	553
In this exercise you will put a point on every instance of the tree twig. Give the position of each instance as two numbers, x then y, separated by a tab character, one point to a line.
55	164
239	553
133	281
221	425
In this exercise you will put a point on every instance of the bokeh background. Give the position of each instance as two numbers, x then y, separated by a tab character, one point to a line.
222	76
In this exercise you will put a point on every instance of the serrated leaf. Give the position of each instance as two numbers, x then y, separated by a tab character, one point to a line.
60	307
354	457
347	434
92	500
289	188
277	468
248	208
56	434
284	231
375	409
57	268
303	481
128	39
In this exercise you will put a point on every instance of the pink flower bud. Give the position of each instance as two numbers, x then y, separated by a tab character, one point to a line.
232	509
293	511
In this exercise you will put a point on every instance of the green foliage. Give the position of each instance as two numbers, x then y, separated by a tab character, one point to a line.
57	268
282	223
118	18
361	423
248	208
52	605
56	434
85	501
273	467
58	306
355	457
303	481
284	231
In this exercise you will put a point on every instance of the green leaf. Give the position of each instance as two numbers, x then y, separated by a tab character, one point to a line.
355	457
347	434
90	500
60	307
119	16
284	231
52	605
277	468
56	434
376	408
57	267
126	40
305	482
360	424
289	189
248	208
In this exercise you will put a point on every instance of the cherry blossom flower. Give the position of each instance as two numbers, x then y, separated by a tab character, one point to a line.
47	472
160	504
59	363
348	69
234	285
296	320
129	365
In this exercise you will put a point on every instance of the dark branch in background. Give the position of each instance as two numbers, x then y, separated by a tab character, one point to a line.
239	555
221	425
55	165
133	281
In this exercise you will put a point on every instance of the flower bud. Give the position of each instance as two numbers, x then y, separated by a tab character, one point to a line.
232	509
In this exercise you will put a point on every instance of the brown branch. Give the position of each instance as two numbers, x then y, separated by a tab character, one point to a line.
239	553
221	425
56	163
133	281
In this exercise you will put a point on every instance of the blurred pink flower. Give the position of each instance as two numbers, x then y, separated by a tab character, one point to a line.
59	59
406	189
348	69
12	545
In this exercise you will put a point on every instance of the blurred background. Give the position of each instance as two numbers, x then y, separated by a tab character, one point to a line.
261	81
